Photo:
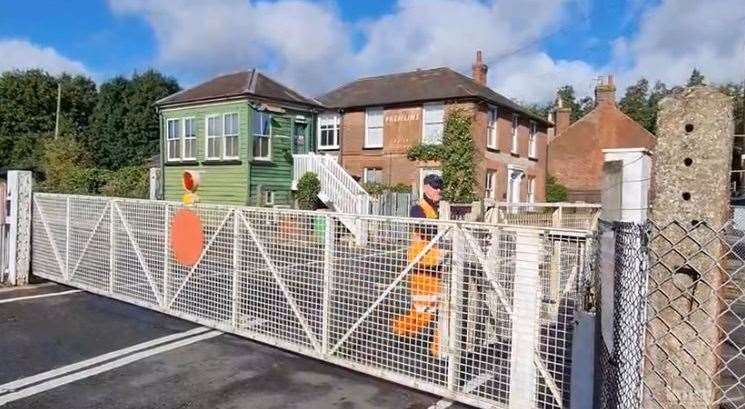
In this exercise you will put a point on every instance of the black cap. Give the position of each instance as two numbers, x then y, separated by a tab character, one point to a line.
433	180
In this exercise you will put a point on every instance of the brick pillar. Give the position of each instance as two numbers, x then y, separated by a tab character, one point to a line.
690	202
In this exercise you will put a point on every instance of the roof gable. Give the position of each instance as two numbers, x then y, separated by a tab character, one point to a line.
618	130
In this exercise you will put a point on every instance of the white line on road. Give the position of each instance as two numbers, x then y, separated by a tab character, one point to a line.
64	380
19	383
442	404
27	287
31	297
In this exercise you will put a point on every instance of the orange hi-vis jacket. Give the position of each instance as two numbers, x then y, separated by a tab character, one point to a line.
419	241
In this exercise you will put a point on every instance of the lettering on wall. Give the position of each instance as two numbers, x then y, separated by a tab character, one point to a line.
404	126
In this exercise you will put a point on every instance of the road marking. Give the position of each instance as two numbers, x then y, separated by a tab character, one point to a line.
31	297
64	380
19	383
26	287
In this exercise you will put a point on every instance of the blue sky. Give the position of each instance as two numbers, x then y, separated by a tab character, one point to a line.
532	46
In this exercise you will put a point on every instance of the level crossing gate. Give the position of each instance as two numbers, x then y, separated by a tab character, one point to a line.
296	280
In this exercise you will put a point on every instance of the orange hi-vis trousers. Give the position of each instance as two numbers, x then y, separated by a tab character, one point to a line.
425	293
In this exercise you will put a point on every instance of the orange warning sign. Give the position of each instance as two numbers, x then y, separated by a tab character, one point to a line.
187	237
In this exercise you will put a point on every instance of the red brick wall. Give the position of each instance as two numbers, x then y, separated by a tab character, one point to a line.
398	136
576	157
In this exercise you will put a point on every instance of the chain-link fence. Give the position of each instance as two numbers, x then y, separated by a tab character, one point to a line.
676	335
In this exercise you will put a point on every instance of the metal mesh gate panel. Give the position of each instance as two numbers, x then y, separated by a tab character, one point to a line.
495	328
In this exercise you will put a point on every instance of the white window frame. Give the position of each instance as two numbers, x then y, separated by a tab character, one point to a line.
179	138
423	172
367	128
268	197
492	128
518	173
365	179
531	189
184	138
268	137
237	136
334	121
207	136
515	129
532	140
441	120
490	179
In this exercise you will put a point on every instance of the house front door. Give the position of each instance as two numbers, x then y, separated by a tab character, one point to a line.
514	180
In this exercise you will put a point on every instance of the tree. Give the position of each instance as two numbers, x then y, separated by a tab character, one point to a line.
737	92
634	103
658	92
125	129
308	188
28	107
696	78
458	162
566	93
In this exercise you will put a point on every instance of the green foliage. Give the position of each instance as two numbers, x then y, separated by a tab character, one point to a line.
696	78
555	191
125	129
308	188
130	181
377	189
68	168
426	152
635	104
458	160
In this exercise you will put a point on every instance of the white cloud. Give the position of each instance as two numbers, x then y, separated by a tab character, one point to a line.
679	35
307	45
21	54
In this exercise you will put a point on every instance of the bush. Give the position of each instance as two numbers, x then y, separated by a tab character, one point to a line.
129	181
555	191
374	188
459	159
400	188
308	188
67	169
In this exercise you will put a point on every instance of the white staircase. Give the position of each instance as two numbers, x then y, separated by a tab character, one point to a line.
339	190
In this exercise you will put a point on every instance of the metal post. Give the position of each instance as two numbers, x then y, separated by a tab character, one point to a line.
236	260
112	247
454	308
328	269
166	253
19	227
67	238
525	315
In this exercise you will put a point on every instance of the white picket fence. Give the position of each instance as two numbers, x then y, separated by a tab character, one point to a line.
507	302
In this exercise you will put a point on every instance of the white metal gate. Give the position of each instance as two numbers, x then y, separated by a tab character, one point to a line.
295	280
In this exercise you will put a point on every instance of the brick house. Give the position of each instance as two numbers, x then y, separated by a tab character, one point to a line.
575	156
370	124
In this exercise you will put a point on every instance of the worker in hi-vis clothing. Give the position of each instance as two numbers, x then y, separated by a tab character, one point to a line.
424	283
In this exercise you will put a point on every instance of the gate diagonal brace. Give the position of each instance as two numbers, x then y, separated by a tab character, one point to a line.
282	285
390	288
503	299
199	260
51	239
88	242
138	252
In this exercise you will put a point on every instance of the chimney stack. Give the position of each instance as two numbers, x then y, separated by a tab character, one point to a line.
562	115
479	69
605	91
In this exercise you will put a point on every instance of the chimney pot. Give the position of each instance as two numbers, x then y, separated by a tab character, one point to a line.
605	91
562	116
479	69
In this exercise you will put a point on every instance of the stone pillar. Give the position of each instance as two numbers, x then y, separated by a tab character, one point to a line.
19	226
690	202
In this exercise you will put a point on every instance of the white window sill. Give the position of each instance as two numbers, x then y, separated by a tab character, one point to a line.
373	147
329	148
495	147
262	159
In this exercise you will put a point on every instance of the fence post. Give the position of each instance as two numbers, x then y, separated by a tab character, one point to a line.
328	266
19	229
112	248
454	307
690	206
525	315
166	253
67	238
236	265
